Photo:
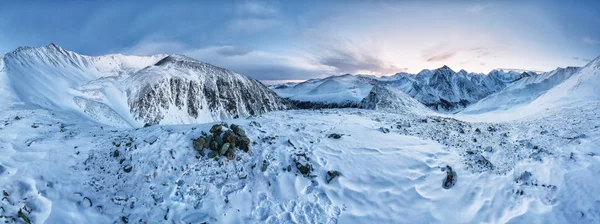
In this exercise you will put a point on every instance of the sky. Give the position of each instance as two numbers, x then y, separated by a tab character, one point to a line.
299	40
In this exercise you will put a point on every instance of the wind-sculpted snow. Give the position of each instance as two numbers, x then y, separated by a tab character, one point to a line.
58	168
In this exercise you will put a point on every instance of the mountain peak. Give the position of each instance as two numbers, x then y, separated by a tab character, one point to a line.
445	67
175	58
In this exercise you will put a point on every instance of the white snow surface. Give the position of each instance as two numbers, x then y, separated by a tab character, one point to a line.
60	168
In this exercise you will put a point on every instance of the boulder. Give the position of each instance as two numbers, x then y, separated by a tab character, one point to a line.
303	164
199	144
451	178
224	148
332	174
216	129
335	136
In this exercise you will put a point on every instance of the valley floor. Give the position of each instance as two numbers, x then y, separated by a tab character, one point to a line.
56	168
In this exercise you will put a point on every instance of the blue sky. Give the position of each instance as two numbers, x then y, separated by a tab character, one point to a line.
298	40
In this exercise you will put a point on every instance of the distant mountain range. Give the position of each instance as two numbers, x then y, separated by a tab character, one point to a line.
440	89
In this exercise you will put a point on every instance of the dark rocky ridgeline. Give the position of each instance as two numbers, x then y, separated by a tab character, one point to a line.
443	89
191	86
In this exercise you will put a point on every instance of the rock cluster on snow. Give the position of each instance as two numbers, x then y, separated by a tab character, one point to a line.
222	140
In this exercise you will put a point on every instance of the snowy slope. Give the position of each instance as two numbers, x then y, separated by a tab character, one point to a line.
522	91
344	89
391	99
57	168
111	89
581	86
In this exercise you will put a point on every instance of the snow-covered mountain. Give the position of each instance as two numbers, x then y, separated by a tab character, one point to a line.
580	87
334	91
391	99
130	90
445	90
440	89
521	92
178	89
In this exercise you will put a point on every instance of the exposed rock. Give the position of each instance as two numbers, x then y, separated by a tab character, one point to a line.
151	140
216	129
86	202
332	174
525	177
127	168
303	164
335	136
264	166
212	154
196	88
255	124
199	144
224	148
451	178
23	217
384	130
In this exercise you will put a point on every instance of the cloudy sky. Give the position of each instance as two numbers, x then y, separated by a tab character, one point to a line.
298	40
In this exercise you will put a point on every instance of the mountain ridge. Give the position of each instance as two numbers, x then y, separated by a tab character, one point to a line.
111	89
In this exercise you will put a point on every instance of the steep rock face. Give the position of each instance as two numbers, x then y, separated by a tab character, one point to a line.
181	90
444	90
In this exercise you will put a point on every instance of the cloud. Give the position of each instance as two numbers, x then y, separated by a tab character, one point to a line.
253	24
582	59
477	8
441	56
231	51
255	16
346	57
589	40
442	53
256	8
258	64
154	45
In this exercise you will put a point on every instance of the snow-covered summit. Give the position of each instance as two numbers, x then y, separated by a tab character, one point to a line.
111	88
